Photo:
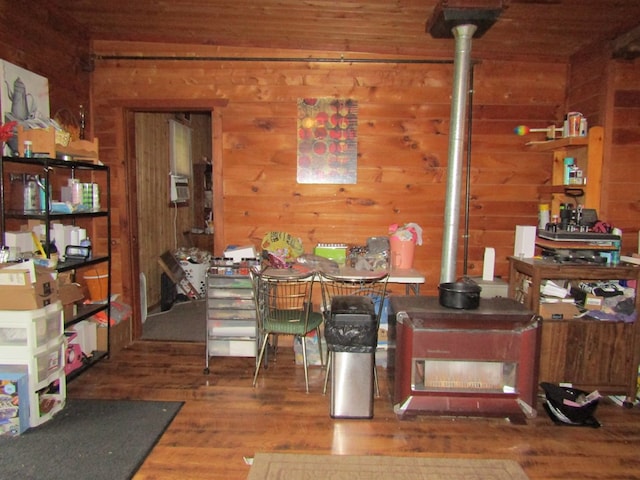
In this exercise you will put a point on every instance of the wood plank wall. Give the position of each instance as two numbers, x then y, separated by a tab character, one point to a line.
46	43
607	91
622	192
402	143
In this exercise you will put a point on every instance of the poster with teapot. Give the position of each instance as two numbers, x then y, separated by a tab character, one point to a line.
24	98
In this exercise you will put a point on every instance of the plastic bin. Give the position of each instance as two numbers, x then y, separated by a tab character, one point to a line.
402	252
196	273
352	336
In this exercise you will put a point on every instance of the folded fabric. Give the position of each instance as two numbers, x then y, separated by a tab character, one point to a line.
612	317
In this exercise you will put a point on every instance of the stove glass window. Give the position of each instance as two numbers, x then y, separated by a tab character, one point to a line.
431	375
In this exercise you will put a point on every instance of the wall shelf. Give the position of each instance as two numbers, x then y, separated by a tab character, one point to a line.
54	172
588	155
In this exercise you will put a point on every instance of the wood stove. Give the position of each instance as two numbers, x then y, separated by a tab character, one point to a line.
465	362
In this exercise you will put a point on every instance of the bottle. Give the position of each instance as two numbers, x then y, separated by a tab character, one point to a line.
96	197
615	254
568	162
28	152
244	267
86	242
42	193
573	175
31	194
543	216
565	215
76	191
87	195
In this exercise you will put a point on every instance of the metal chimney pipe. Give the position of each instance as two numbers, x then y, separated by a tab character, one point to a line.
462	64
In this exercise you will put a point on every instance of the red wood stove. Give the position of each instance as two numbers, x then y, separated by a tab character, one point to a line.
465	362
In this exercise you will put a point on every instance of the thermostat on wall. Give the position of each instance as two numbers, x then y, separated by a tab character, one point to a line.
179	189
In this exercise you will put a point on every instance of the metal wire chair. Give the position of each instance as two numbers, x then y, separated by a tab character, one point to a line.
371	284
284	307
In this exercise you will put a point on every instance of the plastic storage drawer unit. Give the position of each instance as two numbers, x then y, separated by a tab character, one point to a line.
29	328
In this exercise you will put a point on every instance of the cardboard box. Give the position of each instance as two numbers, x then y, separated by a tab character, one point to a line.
69	294
23	241
593	302
385	356
19	290
492	288
525	243
558	310
238	253
120	336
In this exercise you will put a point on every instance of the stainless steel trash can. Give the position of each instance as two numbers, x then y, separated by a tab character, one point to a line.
351	335
351	385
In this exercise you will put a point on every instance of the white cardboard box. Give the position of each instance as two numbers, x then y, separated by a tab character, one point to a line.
20	240
238	253
525	243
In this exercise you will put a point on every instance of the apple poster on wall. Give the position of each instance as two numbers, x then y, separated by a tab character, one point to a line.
327	140
24	97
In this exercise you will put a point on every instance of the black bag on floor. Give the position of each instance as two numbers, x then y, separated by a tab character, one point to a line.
564	406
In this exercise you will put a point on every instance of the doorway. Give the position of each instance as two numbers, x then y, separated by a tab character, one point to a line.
158	224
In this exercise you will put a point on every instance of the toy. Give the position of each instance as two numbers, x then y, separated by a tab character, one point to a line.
550	130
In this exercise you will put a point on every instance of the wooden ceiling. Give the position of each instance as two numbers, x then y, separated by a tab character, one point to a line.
526	29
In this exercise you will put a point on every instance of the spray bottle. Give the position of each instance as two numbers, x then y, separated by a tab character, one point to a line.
42	191
31	197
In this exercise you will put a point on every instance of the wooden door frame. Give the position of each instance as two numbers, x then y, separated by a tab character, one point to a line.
129	228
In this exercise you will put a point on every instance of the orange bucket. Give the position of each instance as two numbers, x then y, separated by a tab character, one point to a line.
98	285
402	253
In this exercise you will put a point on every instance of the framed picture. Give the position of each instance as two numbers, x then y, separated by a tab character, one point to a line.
24	96
327	140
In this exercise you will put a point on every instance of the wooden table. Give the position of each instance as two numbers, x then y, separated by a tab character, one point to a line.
587	353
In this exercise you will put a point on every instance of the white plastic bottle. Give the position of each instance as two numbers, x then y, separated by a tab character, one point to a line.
543	216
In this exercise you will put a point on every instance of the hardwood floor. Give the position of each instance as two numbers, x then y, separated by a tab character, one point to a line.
225	419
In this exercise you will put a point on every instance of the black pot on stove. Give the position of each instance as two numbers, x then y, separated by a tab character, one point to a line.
463	294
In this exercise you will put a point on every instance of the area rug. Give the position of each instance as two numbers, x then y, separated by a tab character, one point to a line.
278	466
96	439
185	322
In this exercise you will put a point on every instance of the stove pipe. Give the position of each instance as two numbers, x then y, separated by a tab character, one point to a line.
462	64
